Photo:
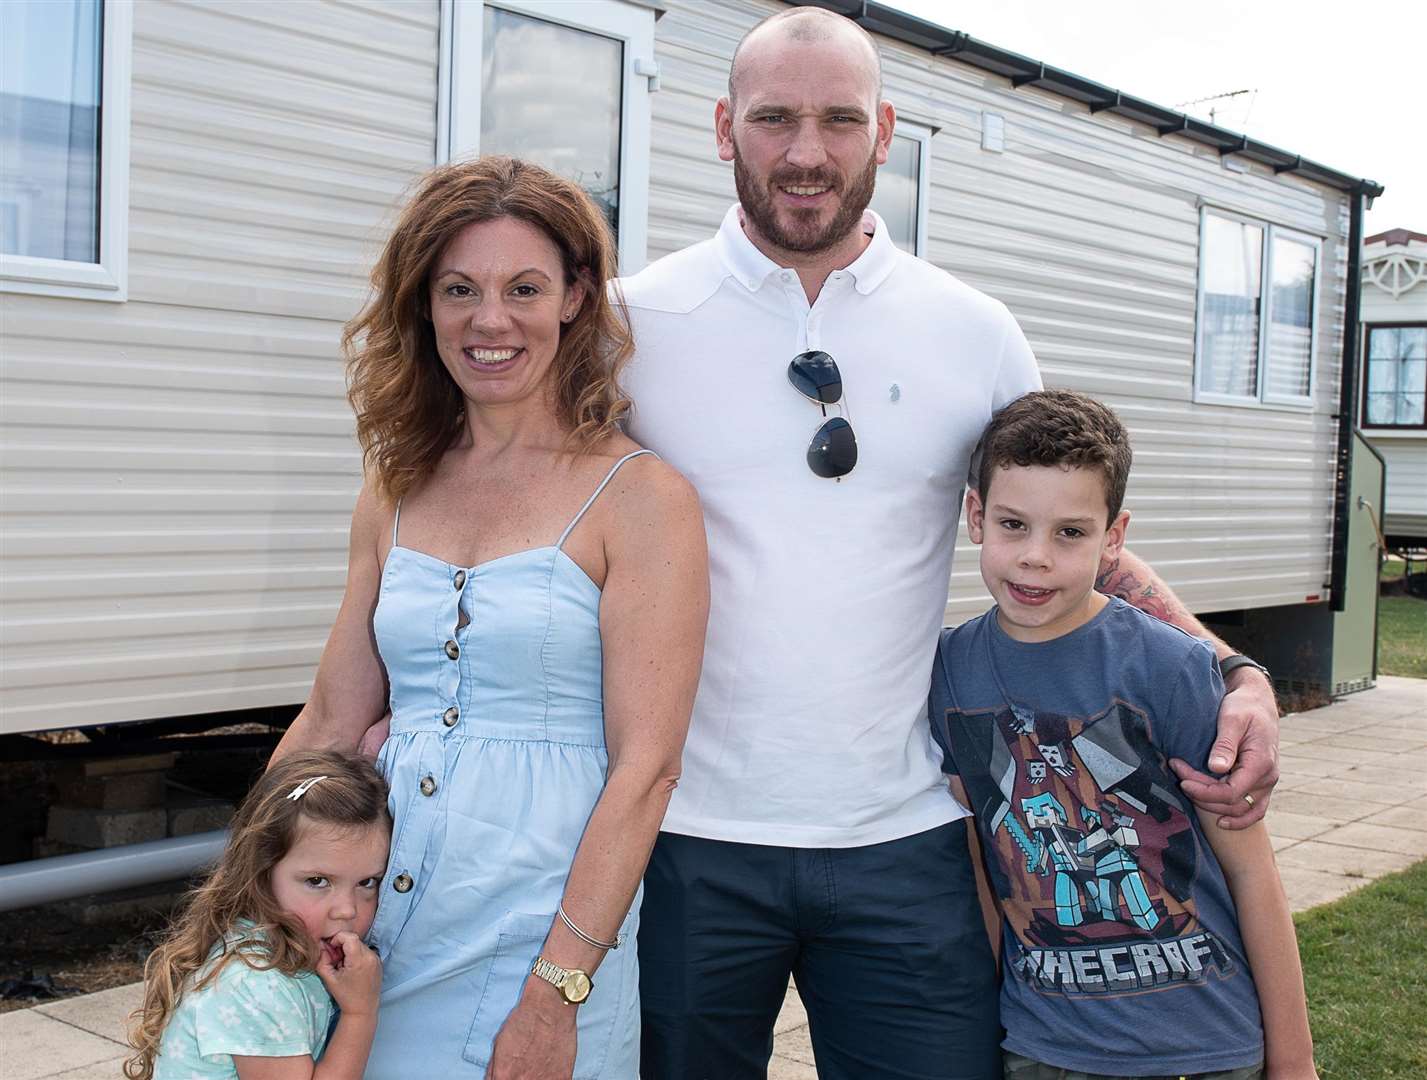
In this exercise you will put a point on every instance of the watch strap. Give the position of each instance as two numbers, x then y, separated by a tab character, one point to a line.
560	978
1234	661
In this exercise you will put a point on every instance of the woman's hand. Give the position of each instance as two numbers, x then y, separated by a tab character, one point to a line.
355	982
537	1040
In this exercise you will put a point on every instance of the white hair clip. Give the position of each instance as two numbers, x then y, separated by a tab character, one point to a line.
303	788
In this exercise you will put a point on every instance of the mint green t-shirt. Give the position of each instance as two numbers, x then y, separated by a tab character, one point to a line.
246	1012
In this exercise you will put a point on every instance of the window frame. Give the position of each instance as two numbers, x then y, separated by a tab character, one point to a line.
107	279
1364	423
458	111
1261	397
921	134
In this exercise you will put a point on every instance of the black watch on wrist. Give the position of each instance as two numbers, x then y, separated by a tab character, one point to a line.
1234	661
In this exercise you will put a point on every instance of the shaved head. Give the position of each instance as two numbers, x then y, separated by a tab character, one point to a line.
809	25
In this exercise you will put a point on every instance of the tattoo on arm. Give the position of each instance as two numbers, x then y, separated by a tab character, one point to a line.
1114	580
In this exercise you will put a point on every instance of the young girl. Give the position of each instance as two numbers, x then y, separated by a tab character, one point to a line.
245	983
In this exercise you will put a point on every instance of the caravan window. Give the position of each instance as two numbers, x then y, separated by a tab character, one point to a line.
564	85
1395	380
900	197
1256	314
63	147
562	115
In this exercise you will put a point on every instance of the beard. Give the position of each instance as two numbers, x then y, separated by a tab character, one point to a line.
803	233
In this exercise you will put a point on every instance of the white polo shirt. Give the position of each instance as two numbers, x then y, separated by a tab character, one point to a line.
809	726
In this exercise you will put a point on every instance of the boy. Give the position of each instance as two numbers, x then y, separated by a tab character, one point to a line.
1058	710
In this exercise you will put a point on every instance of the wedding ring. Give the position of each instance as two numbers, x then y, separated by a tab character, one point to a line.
1248	799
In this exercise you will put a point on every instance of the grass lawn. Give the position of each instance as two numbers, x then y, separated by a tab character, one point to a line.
1402	629
1365	966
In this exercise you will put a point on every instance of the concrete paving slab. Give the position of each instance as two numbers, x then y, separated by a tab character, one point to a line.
105	1013
1323	806
1365	792
1378	838
784	1068
796	1044
1298	763
48	1046
1283	822
1351	862
1391	779
1348	755
1402	816
1281	842
1309	888
792	1015
1318	725
1383	742
103	1070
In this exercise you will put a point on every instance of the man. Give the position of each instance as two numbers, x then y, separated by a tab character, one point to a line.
824	391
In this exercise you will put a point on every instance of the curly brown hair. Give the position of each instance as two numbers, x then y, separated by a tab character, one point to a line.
409	410
239	890
1057	427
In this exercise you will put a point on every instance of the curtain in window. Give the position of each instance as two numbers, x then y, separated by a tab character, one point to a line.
50	56
1290	326
1396	388
1229	335
895	197
553	95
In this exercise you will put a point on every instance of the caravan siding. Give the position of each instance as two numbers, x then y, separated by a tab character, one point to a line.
1087	227
179	469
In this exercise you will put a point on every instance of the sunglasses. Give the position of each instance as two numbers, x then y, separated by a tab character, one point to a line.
833	451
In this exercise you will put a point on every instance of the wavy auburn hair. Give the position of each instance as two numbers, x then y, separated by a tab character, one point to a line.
352	795
408	409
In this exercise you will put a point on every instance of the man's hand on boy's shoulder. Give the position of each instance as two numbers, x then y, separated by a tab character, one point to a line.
1245	747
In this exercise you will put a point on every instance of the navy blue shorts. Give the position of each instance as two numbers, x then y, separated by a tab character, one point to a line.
886	944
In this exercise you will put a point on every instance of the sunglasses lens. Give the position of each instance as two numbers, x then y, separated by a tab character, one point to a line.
833	451
815	375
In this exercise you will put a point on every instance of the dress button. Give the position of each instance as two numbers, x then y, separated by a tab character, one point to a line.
460	581
450	716
453	650
428	786
402	883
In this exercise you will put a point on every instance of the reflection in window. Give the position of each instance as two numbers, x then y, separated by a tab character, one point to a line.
1290	312
50	55
1395	393
1229	315
895	197
552	95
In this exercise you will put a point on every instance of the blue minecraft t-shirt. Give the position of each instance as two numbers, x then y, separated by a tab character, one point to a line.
1120	944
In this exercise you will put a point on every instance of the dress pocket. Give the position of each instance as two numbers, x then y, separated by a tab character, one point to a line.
518	942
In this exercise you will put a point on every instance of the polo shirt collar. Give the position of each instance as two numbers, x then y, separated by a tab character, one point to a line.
751	267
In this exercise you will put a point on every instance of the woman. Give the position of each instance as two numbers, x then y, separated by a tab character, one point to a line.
531	589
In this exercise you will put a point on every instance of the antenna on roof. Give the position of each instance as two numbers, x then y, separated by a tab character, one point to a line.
1213	111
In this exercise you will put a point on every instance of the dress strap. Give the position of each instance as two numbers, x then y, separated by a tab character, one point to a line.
395	523
591	500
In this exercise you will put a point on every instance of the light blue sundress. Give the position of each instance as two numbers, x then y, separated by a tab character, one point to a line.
496	758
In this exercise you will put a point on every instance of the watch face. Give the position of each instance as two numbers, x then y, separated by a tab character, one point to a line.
577	986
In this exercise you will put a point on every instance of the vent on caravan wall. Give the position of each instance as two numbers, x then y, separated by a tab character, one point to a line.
993	132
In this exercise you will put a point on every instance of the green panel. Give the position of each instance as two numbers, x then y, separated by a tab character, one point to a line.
1355	627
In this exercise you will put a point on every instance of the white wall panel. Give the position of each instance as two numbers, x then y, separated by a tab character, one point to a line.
178	471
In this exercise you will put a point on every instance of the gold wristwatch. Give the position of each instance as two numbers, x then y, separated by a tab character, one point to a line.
574	985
